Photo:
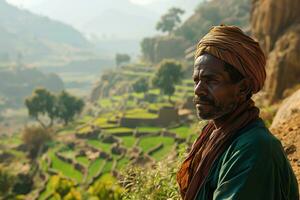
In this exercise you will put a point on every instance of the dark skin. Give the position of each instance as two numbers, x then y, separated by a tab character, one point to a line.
216	95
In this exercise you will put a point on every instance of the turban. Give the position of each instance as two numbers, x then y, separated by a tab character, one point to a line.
230	44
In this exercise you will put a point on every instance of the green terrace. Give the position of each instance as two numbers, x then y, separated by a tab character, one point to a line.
147	143
95	168
100	145
140	113
182	131
83	160
117	130
128	141
64	168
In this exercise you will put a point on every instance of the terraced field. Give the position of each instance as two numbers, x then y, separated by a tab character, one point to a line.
102	146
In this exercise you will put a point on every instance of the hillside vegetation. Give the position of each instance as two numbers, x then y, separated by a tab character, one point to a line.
85	158
207	14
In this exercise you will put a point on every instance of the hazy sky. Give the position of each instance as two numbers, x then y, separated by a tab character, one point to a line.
30	3
127	19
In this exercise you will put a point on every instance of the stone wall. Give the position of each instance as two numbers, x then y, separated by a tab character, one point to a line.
166	116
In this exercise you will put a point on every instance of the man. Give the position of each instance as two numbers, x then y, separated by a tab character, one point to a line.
235	156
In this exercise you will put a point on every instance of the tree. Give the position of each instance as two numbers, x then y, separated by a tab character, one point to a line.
140	85
68	106
35	138
122	58
168	74
170	20
41	103
148	49
63	106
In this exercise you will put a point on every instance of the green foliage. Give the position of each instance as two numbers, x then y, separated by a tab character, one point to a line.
6	182
140	85
23	184
212	13
35	139
170	20
168	74
64	106
148	49
155	183
42	102
68	106
106	189
122	58
61	188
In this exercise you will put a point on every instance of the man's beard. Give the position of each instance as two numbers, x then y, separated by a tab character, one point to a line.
212	109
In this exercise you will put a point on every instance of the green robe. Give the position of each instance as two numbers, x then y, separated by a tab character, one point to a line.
254	167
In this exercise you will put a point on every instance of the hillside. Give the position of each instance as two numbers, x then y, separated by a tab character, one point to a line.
16	84
207	14
94	149
34	37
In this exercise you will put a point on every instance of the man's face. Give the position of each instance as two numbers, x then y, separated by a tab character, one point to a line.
215	94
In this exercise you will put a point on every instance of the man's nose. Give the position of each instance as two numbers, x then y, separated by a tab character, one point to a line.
200	89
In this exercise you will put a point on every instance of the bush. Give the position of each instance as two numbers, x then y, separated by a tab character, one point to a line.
106	189
35	138
6	182
155	183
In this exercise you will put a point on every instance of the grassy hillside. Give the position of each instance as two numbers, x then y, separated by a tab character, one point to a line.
99	145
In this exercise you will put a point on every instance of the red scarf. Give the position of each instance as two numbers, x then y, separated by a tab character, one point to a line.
209	146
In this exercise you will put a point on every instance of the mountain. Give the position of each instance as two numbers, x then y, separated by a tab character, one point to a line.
33	36
102	18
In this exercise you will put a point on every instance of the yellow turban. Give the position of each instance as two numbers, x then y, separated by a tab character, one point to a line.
230	44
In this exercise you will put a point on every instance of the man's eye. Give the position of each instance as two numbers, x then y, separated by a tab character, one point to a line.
213	81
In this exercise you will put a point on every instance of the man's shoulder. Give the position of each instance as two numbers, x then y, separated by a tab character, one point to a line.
256	137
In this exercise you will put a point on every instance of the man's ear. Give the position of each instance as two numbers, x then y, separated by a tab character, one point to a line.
244	87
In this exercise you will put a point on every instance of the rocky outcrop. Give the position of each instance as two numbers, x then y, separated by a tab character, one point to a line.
286	127
289	107
163	47
276	25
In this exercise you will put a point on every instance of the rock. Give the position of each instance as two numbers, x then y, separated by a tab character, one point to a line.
290	149
286	111
286	127
276	25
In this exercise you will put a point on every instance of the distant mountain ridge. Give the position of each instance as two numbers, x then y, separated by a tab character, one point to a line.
102	18
22	32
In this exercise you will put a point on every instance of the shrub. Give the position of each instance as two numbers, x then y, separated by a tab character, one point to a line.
6	182
35	138
106	189
155	183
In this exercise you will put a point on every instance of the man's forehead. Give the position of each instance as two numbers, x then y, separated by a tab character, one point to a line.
210	64
207	59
